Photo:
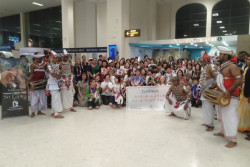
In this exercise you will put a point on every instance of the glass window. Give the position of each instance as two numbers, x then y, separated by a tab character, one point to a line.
230	17
45	27
9	32
191	21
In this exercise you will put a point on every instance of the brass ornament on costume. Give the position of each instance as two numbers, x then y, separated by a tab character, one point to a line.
216	97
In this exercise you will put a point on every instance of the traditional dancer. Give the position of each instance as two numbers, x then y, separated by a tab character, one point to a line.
67	89
53	85
179	102
38	98
208	75
228	80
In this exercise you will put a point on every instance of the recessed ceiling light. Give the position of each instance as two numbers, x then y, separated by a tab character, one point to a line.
185	35
196	25
222	27
215	14
196	45
219	21
226	34
38	4
192	43
178	44
224	31
56	28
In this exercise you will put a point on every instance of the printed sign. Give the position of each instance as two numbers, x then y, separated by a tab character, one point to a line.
14	98
146	97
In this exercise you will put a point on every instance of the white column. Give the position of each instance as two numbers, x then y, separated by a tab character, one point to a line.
117	22
209	20
152	20
68	37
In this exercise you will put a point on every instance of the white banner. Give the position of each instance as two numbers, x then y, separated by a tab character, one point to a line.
146	97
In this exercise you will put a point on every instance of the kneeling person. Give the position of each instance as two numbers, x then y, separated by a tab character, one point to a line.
93	95
179	98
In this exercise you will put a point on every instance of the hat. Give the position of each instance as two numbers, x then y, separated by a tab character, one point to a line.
90	59
205	57
64	52
52	53
38	55
110	61
225	50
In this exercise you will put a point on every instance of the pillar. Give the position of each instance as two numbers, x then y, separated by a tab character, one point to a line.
117	23
68	36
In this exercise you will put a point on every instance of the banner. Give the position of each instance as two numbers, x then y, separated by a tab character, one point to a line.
146	97
83	50
14	97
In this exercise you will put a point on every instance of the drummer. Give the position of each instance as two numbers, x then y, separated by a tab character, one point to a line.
38	98
208	75
228	80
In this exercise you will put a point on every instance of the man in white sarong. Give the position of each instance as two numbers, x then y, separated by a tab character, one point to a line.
53	85
179	100
207	78
228	81
67	89
38	99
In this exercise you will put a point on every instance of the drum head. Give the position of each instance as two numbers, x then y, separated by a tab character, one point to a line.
224	101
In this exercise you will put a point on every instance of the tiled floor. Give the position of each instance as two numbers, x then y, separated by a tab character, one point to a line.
116	138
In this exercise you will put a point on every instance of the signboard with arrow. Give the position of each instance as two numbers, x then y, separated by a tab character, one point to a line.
133	33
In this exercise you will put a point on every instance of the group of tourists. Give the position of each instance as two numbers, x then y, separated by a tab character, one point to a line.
103	81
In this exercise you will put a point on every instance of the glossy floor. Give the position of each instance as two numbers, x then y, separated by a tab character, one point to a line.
116	138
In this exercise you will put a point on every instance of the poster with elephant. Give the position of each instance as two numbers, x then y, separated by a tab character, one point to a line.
13	87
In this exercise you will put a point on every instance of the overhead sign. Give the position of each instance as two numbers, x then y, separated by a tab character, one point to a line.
133	33
83	50
193	40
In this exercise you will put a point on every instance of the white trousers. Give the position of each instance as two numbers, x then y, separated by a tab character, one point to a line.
38	100
229	119
179	112
67	96
208	111
56	104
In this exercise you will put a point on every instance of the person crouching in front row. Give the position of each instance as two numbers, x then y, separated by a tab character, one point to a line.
93	95
179	98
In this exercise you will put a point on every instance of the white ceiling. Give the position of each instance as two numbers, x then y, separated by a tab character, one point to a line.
11	7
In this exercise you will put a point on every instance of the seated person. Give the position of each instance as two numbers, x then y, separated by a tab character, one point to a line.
179	98
93	95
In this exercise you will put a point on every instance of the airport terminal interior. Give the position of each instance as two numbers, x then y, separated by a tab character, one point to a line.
124	83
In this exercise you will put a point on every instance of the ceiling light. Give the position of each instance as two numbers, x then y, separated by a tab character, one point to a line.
224	31
178	44
207	43
215	14
226	34
56	28
192	43
38	4
219	21
185	35
196	25
196	45
222	27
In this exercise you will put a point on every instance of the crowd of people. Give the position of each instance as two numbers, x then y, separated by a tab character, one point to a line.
103	81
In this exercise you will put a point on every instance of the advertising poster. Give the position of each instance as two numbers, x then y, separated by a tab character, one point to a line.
14	97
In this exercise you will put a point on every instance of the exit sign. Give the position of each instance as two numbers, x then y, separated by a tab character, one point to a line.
133	33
